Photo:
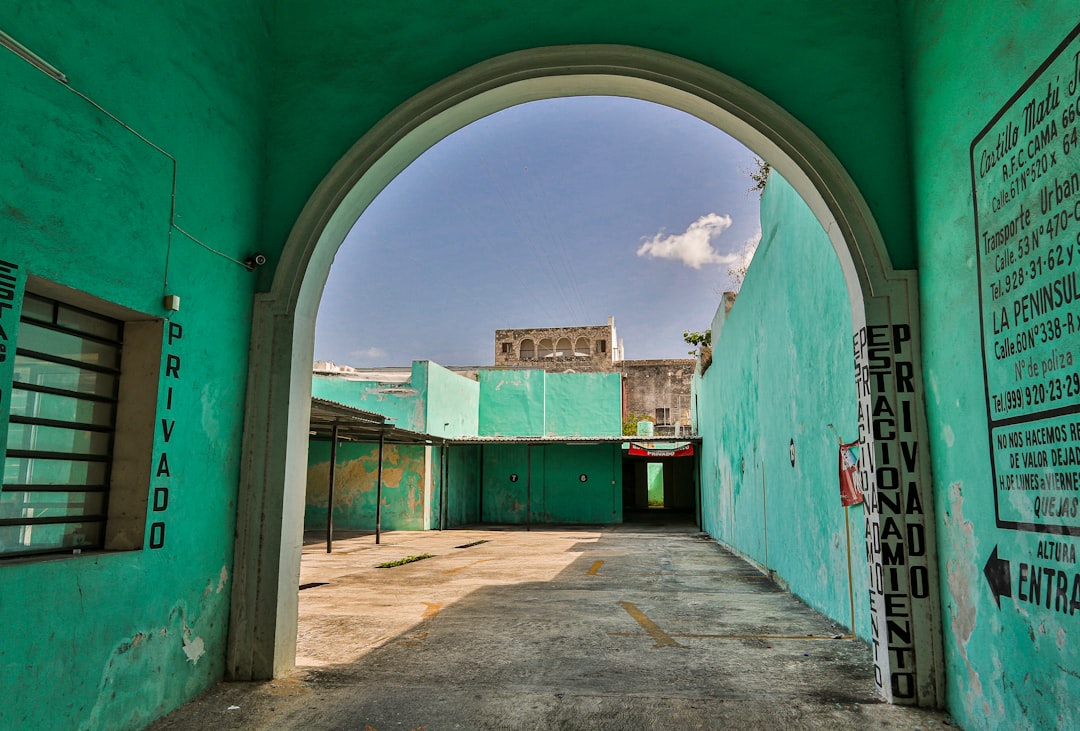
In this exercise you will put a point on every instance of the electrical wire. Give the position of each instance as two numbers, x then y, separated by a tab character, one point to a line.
62	79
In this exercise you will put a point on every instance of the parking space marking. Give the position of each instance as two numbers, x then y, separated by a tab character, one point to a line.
662	638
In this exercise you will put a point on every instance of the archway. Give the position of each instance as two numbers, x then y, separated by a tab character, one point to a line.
893	470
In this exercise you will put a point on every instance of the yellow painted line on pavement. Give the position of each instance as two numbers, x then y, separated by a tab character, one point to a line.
468	565
741	637
595	567
432	610
662	638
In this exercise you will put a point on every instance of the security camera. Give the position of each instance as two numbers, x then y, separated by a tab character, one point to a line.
255	260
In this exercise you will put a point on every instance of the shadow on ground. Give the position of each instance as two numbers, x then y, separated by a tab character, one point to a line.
643	627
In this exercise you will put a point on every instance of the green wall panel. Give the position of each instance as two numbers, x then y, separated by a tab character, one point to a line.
403	404
556	492
1013	665
506	487
463	507
582	483
114	640
782	373
453	403
583	404
512	403
356	483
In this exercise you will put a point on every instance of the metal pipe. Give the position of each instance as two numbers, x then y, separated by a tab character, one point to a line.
378	490
528	489
330	496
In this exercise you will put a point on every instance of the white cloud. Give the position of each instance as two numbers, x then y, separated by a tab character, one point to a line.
692	247
742	257
745	255
363	354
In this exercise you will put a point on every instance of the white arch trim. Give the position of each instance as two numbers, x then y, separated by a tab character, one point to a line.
599	70
270	509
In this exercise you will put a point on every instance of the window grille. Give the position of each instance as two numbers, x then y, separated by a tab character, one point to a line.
61	425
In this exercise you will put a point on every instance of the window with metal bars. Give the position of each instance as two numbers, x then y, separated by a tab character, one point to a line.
61	427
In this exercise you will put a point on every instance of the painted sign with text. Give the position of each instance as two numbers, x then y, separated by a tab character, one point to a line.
1025	168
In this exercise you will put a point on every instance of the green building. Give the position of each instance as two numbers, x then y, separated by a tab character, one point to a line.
175	179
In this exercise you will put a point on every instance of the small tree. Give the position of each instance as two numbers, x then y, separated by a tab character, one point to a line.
629	425
698	340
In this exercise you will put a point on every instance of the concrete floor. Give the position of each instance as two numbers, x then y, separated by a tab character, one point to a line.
631	627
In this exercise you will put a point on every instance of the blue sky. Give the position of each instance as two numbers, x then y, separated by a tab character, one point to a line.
558	212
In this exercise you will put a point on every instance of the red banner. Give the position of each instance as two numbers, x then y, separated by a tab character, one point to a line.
850	494
636	450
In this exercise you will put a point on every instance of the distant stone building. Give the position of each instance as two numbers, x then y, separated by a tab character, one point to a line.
560	349
658	389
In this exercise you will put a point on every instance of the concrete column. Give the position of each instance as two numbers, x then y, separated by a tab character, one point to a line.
270	509
894	474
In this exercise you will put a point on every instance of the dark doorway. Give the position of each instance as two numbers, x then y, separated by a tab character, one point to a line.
658	487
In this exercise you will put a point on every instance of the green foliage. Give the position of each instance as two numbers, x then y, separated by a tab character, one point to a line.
629	425
696	338
403	561
760	176
699	340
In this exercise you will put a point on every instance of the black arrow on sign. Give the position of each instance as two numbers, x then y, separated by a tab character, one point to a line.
998	574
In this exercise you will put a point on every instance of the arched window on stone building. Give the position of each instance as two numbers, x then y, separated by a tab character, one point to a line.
581	348
528	349
563	348
547	350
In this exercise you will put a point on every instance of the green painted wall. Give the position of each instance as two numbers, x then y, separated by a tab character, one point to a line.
1014	665
583	404
512	403
404	404
654	472
535	403
848	56
242	99
463	507
782	371
506	487
115	640
453	403
556	493
356	482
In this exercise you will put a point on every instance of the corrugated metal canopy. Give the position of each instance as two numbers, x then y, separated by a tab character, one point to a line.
356	425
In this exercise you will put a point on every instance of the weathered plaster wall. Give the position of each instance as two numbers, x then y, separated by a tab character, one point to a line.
403	404
597	356
1013	665
453	403
583	404
463	507
113	640
782	372
536	403
659	384
512	403
556	492
356	483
